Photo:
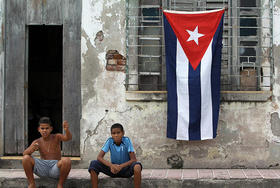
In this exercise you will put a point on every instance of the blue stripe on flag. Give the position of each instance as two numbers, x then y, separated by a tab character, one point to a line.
195	103
215	74
172	111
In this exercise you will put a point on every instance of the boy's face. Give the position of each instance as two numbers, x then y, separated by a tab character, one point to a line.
45	129
117	135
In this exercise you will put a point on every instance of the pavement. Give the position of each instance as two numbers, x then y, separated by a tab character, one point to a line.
173	178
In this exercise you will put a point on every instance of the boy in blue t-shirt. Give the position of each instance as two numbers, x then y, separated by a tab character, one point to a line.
123	160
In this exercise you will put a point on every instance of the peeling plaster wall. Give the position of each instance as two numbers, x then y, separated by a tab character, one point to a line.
103	92
248	132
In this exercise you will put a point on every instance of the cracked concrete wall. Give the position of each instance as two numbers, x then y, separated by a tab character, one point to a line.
248	132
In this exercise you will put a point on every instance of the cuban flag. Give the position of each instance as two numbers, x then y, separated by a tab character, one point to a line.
193	43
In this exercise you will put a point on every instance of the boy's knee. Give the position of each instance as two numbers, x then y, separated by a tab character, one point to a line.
27	158
66	161
137	168
94	163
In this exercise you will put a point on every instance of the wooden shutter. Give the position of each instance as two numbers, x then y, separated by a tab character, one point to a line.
72	74
14	132
44	12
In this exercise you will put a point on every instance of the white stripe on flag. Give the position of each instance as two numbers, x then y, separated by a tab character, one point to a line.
206	124
182	71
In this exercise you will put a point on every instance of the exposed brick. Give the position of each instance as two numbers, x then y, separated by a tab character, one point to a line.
120	68
115	61
110	54
121	62
118	56
112	62
110	67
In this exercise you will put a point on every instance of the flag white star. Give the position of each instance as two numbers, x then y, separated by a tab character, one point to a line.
194	35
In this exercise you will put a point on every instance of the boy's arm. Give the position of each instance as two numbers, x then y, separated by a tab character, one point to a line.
100	158
67	136
32	148
132	159
113	167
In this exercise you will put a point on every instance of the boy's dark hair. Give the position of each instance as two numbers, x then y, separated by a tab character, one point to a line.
117	125
45	120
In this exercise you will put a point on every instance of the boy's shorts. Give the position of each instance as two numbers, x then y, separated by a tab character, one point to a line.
46	168
126	172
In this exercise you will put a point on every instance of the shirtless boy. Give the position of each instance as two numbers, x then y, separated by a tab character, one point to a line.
51	164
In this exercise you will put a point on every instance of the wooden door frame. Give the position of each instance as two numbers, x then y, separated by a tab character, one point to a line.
2	66
67	14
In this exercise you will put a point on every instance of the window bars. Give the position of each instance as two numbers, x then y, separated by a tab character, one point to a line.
247	59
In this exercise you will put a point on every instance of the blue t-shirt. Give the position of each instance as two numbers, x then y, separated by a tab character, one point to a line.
119	154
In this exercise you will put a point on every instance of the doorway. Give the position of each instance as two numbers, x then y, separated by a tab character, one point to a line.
45	59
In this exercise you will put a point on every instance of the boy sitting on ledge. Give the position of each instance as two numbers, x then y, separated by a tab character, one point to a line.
51	164
123	160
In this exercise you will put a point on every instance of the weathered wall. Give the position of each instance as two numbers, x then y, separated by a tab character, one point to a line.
1	74
248	133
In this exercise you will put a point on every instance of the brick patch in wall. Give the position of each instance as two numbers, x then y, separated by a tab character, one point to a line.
115	61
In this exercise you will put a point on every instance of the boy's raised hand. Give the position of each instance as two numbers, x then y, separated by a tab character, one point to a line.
67	136
65	125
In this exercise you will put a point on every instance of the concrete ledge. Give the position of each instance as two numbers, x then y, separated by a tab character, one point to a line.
191	178
246	96
146	95
14	162
234	96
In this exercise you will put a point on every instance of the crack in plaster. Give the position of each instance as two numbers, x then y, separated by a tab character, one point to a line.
127	110
91	133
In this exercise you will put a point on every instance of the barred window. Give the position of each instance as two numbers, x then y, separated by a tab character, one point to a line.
247	59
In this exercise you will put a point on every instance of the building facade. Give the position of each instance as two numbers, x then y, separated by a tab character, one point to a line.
99	62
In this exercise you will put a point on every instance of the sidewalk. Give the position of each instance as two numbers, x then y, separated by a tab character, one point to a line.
172	178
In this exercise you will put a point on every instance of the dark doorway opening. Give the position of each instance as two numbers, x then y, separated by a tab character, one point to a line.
44	77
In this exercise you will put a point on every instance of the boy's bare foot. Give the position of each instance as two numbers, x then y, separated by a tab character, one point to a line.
59	186
32	185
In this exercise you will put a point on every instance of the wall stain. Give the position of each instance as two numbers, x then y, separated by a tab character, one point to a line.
275	124
175	161
90	70
99	37
198	153
115	23
139	151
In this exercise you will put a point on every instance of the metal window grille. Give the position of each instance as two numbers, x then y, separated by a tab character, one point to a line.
247	59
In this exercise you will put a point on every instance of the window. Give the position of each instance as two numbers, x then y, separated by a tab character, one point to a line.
247	59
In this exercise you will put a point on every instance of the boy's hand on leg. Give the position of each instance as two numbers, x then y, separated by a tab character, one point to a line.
115	168
119	168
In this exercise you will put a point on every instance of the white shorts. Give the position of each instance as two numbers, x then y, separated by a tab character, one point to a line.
46	168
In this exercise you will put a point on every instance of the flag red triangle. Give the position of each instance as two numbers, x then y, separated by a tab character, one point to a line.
194	30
